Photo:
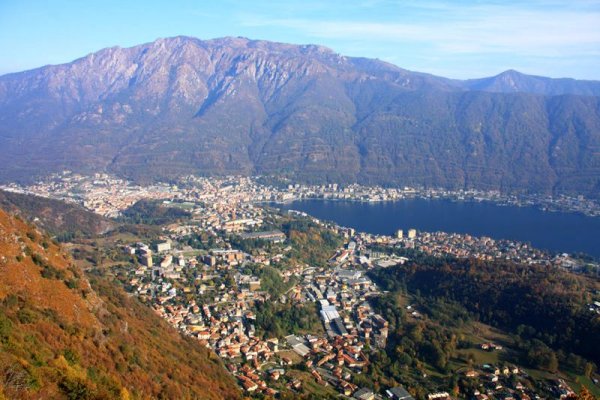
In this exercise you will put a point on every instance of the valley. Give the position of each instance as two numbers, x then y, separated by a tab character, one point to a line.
296	306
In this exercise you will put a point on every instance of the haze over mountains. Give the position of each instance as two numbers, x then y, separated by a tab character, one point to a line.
236	106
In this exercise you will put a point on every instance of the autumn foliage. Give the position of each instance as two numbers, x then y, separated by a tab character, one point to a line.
64	335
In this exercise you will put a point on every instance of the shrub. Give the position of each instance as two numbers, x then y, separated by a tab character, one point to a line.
5	328
26	316
76	389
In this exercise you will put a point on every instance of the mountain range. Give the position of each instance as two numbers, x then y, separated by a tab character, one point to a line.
237	106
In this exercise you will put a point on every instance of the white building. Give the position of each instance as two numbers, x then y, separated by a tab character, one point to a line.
163	246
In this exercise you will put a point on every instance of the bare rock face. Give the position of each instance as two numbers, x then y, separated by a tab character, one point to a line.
237	106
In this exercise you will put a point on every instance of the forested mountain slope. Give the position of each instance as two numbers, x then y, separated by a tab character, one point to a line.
63	336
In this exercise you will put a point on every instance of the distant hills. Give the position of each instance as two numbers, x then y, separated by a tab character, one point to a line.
237	106
54	216
515	82
66	336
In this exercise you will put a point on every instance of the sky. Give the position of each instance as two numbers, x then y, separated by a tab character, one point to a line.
456	39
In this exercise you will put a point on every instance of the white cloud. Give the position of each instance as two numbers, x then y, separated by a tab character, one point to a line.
543	28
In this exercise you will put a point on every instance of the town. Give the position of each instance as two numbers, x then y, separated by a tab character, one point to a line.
171	272
108	195
215	294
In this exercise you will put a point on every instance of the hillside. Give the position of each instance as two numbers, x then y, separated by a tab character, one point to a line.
63	336
238	106
64	220
535	302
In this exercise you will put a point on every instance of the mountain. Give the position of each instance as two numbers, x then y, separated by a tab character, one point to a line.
66	336
238	106
512	81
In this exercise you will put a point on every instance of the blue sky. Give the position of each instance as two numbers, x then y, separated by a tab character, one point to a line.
457	39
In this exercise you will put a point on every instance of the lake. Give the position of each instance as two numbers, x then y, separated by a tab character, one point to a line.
561	232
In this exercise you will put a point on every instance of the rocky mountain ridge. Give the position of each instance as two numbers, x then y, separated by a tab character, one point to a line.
237	106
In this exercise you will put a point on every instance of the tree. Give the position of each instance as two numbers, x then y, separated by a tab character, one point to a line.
588	370
541	356
585	394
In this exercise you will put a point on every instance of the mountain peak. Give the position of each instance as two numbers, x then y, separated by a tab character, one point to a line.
510	72
512	81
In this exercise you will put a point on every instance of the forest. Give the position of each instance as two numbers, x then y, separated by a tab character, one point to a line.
546	308
152	212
